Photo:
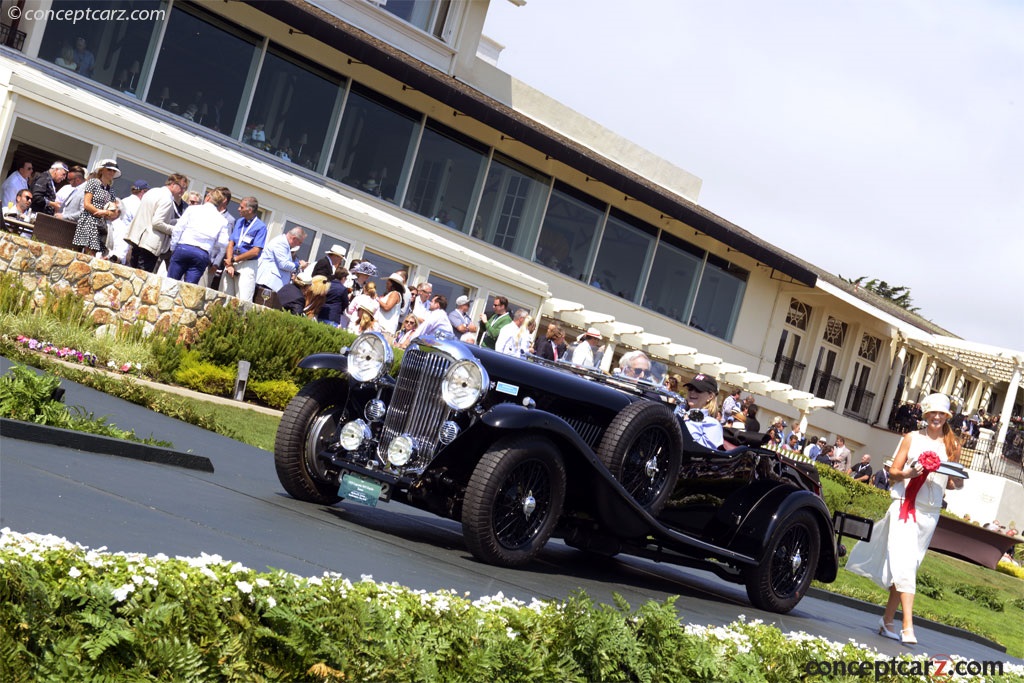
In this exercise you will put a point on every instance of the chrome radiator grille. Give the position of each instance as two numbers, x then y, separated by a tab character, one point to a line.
416	407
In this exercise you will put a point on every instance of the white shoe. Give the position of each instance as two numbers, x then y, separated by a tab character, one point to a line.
907	636
886	631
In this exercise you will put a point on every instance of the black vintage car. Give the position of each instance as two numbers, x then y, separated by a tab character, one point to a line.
520	450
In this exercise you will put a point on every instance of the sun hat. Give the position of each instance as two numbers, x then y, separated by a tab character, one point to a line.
337	250
364	268
592	332
303	279
936	403
398	280
703	383
108	163
462	300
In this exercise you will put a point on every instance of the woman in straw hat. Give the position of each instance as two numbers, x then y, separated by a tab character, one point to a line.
391	304
898	543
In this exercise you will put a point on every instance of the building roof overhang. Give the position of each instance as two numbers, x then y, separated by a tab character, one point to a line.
359	45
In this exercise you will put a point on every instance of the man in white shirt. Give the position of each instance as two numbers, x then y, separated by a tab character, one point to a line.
436	323
200	239
731	405
16	182
508	342
585	351
421	304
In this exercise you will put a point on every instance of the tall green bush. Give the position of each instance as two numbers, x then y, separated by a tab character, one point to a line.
272	341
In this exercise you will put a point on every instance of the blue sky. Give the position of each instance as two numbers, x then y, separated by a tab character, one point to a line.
873	138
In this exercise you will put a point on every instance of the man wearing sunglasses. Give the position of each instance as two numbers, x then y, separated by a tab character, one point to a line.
635	365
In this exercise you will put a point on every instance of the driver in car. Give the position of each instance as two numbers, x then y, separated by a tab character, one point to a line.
635	365
702	397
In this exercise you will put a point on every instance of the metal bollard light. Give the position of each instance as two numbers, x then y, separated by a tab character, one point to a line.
241	380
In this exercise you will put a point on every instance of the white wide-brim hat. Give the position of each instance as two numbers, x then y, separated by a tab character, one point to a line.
337	250
108	163
936	403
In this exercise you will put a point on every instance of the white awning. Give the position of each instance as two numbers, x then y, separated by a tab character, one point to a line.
663	349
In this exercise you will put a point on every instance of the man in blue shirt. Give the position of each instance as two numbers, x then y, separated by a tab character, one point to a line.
276	263
245	245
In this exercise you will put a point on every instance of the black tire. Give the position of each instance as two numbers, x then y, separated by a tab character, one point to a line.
643	449
310	421
790	560
513	500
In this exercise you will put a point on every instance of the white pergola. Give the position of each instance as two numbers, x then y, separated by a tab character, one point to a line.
663	349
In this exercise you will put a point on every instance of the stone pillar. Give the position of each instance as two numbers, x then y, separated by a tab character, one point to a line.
890	390
1011	396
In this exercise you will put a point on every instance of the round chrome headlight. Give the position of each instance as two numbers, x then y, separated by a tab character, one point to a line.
353	434
464	384
369	357
401	450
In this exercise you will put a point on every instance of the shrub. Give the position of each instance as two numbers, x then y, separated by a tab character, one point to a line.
1013	570
167	354
205	377
272	341
983	595
928	584
275	393
31	397
14	298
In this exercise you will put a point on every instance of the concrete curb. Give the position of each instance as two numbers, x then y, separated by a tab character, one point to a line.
870	608
93	443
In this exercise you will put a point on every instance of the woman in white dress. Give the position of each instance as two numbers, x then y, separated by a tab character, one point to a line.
390	311
899	541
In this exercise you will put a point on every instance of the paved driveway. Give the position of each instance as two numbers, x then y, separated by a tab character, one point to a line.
241	512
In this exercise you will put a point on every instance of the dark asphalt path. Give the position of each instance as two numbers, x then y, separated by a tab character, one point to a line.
241	512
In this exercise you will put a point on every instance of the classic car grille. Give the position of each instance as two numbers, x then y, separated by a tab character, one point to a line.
416	407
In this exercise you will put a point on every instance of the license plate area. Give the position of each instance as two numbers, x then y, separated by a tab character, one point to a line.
359	489
852	526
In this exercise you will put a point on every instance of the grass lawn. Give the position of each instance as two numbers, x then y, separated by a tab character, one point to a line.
248	426
940	580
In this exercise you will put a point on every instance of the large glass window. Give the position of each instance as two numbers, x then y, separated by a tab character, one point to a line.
448	173
203	68
374	144
292	109
511	206
385	266
452	290
132	171
568	235
622	258
719	297
114	53
673	278
427	15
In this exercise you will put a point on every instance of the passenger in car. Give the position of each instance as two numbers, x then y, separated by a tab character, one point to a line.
702	397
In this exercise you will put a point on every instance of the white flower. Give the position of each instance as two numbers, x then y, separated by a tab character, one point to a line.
262	583
207	572
244	586
137	580
121	593
74	573
271	602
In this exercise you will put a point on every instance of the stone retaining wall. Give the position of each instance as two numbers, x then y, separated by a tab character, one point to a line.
111	292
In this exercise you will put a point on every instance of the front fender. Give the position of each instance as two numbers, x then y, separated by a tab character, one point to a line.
325	361
752	536
513	417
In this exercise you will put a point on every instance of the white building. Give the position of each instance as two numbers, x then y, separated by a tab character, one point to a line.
389	129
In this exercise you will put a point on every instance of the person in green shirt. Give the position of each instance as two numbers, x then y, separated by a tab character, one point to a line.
492	327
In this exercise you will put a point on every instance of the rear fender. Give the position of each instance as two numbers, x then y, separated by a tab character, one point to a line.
753	534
